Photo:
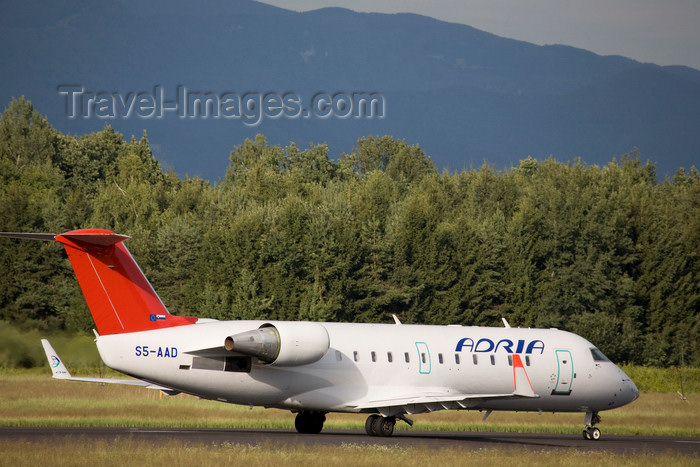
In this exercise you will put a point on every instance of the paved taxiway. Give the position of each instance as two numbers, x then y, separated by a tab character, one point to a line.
428	439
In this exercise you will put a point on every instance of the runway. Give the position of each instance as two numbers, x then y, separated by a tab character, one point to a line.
428	439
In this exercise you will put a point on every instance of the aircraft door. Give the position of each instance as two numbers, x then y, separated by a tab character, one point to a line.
423	358
565	373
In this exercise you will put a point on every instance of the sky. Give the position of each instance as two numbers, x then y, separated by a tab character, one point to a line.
665	32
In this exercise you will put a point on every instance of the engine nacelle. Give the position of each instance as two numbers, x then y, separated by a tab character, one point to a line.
282	343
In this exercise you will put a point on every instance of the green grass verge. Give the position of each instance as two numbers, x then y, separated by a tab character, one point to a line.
684	380
31	399
173	453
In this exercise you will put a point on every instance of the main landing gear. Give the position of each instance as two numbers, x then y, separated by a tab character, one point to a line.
591	432
309	422
376	425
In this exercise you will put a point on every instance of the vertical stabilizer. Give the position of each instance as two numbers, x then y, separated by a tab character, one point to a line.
118	294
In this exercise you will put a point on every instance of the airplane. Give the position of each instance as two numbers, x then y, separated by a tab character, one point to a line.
388	371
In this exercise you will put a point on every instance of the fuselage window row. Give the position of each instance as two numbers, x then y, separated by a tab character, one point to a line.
424	358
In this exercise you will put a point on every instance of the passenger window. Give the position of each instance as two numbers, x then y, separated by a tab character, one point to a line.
440	358
493	359
422	357
406	357
355	356
510	360
338	355
374	356
527	360
457	358
389	357
475	359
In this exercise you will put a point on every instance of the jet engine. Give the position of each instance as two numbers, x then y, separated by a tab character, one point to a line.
282	343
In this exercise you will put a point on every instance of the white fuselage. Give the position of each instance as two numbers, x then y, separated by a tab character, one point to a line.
370	364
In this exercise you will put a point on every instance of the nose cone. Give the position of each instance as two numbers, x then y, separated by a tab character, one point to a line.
629	391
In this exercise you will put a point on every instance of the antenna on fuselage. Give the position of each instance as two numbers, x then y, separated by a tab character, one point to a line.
505	323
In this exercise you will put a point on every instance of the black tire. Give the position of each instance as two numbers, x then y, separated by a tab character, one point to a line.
383	426
369	424
318	419
301	422
310	423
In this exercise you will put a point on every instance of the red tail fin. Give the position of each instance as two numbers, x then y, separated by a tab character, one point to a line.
118	294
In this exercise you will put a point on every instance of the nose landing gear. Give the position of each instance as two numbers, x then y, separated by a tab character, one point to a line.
591	432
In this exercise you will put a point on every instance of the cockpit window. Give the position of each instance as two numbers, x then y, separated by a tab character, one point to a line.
598	356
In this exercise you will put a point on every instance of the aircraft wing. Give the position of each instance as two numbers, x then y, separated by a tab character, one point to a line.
445	398
431	401
60	371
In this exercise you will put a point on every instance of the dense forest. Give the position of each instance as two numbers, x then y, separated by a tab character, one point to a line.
610	253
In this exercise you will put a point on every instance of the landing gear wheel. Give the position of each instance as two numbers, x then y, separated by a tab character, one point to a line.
591	432
369	423
383	426
309	422
377	425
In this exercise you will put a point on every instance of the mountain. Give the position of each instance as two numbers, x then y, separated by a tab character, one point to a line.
466	96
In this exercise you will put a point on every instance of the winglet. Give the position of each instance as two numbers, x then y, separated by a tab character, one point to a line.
521	382
58	369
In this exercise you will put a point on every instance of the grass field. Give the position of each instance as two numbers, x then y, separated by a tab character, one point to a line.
31	398
127	452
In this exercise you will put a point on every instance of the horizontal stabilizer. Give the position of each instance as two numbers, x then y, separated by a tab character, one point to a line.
96	237
29	236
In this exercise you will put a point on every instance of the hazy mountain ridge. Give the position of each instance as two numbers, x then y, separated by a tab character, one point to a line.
465	95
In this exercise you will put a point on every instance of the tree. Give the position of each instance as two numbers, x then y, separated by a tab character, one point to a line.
26	138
